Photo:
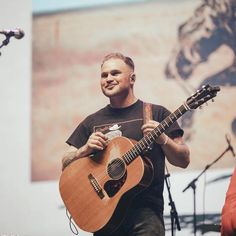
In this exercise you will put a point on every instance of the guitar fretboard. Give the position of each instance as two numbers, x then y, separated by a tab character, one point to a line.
148	139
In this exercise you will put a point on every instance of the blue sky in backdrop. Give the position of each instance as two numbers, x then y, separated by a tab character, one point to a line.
43	6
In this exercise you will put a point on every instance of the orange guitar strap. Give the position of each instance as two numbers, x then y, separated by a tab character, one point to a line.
147	112
147	115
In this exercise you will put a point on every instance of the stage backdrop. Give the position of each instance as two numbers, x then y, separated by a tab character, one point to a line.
177	47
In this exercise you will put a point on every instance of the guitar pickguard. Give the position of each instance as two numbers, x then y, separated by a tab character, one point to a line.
113	186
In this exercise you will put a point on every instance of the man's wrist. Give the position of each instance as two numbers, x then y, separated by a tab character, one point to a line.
66	163
166	140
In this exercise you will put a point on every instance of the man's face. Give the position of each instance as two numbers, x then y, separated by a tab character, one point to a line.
116	78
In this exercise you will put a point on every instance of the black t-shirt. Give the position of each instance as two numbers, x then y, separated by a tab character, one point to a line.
127	122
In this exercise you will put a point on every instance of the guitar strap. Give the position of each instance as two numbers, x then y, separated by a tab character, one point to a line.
147	115
147	112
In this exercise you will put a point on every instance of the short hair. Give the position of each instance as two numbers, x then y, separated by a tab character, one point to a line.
127	60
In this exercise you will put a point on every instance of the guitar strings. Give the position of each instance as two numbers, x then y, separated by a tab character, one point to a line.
126	158
113	171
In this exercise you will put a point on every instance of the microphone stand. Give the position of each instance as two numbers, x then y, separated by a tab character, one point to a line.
193	186
173	212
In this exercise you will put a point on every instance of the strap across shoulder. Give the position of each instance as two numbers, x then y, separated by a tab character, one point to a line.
147	112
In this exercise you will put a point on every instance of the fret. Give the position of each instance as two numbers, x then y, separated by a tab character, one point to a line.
183	108
162	126
157	132
186	106
142	144
139	148
166	123
180	111
175	115
152	135
135	151
171	119
149	138
146	141
127	159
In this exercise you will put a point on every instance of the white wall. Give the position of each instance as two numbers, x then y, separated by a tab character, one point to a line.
34	209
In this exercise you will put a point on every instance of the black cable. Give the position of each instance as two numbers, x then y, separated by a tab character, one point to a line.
72	225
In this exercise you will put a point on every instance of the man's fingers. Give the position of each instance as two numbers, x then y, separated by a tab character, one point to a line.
97	141
96	146
101	135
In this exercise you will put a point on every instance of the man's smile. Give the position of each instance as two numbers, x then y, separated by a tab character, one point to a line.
110	86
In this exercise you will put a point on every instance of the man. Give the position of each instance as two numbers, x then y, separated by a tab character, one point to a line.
124	117
228	219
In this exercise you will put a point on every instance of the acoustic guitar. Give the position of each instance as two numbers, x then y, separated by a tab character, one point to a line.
98	189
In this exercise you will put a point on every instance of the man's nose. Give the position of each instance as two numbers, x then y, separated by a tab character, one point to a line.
110	77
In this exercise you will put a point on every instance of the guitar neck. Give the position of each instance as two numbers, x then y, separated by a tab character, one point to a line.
150	138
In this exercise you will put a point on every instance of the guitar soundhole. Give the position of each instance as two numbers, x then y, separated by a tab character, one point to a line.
113	186
116	169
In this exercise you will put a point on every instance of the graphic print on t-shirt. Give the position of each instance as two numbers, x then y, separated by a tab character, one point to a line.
113	132
128	128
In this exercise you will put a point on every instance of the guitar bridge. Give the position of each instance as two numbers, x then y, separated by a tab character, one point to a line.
96	186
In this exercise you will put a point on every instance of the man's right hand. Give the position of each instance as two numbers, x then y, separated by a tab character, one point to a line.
96	142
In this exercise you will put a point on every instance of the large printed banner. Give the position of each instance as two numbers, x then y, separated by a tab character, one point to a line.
177	47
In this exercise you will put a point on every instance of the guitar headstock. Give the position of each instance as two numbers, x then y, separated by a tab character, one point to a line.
206	93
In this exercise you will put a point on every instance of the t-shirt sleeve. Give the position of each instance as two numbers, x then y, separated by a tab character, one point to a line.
160	113
80	135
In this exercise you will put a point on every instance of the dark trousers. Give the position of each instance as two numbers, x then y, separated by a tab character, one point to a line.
140	222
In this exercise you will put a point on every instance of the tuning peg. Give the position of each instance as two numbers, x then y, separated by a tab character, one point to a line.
212	99
200	107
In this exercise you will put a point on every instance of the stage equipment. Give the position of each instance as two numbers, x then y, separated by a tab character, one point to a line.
173	212
193	185
17	33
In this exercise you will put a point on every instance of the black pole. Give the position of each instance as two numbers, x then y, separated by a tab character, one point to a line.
193	185
194	206
173	212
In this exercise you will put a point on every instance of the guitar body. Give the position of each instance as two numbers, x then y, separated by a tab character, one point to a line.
97	190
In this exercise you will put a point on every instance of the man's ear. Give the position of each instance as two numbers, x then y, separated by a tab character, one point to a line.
133	77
